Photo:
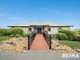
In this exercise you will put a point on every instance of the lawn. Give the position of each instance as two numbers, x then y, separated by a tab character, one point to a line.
4	38
72	44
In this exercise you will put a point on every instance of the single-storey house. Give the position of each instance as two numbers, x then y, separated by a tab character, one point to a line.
51	28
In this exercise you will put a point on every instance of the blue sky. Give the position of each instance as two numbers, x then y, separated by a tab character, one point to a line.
52	11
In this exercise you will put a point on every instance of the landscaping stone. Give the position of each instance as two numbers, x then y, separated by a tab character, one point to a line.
15	45
56	46
11	43
78	50
1	42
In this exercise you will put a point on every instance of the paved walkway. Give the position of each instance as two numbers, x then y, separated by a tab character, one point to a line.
34	55
39	43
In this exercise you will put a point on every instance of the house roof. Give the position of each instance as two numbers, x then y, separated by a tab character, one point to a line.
39	24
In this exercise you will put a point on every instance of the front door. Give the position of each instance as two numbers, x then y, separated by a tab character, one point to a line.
39	30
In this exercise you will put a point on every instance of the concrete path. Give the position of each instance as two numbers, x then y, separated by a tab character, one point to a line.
39	43
34	55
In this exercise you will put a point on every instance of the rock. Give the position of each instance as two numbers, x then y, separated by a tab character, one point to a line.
17	49
1	42
15	45
25	51
78	50
11	43
19	39
56	46
25	48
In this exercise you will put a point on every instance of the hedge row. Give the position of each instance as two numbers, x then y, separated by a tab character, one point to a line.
12	32
68	35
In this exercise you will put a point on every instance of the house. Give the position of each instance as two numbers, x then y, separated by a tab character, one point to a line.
51	28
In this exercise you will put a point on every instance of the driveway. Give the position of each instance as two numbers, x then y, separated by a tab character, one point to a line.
34	55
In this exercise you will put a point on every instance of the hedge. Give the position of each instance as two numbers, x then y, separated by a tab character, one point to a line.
61	36
77	37
3	32
11	32
69	33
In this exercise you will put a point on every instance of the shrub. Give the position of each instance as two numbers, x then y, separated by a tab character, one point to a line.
77	37
18	35
16	31
53	36
61	36
11	32
77	32
12	35
25	34
3	32
69	33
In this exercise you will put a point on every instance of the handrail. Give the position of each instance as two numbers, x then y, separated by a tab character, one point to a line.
46	36
30	39
48	39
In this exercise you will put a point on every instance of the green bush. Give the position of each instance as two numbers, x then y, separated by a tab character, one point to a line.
3	32
77	32
69	33
16	31
12	35
77	37
11	32
25	34
61	36
53	36
18	35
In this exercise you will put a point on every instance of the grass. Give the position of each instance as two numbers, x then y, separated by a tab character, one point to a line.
72	44
2	38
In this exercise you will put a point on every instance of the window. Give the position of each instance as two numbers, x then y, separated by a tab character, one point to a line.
49	29
30	29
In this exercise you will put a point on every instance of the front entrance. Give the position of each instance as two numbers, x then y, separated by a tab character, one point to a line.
39	39
39	30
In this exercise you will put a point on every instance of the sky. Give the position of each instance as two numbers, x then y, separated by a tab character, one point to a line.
14	12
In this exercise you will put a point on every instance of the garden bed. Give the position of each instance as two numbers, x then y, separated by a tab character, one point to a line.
65	46
14	44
